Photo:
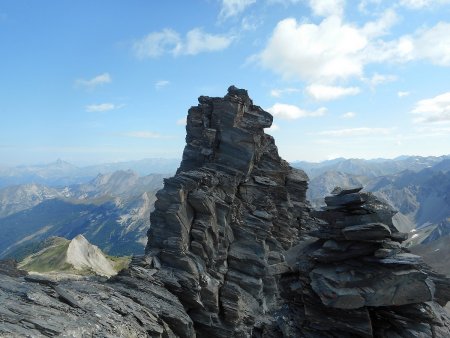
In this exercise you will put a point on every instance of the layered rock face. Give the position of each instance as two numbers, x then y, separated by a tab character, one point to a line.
221	225
234	251
357	280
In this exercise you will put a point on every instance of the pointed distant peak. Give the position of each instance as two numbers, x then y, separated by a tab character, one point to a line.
60	163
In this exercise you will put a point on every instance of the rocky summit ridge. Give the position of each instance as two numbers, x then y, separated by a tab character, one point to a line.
235	251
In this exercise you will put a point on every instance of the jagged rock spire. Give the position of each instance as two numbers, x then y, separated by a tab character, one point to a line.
221	225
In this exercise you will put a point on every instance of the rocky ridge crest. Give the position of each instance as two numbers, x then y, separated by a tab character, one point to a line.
231	254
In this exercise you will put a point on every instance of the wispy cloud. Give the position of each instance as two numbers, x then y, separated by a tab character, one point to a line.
434	110
169	41
283	91
231	8
161	84
378	79
94	82
142	134
102	107
328	93
403	94
433	130
348	115
362	131
291	112
327	7
419	4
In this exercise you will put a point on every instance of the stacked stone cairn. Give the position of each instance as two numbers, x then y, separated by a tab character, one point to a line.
356	280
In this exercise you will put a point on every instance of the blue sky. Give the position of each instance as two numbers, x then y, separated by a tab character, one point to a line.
108	80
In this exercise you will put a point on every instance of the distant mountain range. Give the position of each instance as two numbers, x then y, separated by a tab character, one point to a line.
418	187
370	168
112	211
62	173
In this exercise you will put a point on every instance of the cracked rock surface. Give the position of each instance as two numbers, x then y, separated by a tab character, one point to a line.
235	251
222	224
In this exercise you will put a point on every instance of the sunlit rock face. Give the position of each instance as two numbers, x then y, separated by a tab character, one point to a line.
222	224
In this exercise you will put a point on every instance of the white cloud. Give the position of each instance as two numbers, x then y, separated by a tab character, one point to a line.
434	44
198	41
364	5
156	44
362	131
281	92
403	94
327	7
161	83
324	52
334	50
103	107
142	134
419	4
182	121
291	112
378	79
250	23
436	109
381	26
348	115
232	8
95	81
328	93
169	41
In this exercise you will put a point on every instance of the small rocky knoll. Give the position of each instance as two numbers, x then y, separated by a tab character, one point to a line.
356	280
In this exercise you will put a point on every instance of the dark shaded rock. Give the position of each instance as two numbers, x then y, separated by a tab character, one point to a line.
8	267
221	225
344	200
356	280
352	287
339	191
364	232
